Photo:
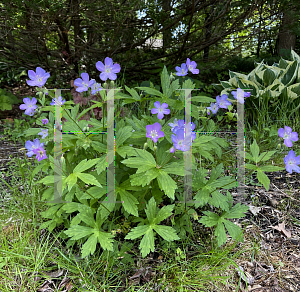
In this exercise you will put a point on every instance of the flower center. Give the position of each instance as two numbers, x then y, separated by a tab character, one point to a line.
153	133
291	161
107	70
286	135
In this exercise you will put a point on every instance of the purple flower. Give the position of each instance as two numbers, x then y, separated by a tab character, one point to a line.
59	102
181	126
39	78
45	121
173	125
154	132
180	142
240	94
40	153
160	109
96	87
182	71
109	70
29	106
291	162
84	83
223	102
30	146
213	107
288	136
192	66
44	133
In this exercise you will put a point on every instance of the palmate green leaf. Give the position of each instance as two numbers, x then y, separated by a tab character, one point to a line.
220	234
202	98
101	166
265	156
270	168
225	183
176	168
85	164
133	93
237	211
262	178
251	166
105	239
166	232
254	150
71	180
139	179
165	82
247	155
32	132
90	246
51	211
163	213
151	91
88	179
71	207
96	192
129	202
210	219
151	210
233	229
137	231
167	184
77	231
202	196
147	243
216	172
218	200
143	161
122	135
87	215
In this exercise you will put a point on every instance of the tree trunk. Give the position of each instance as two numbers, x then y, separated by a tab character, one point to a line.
208	28
286	37
78	34
259	33
167	35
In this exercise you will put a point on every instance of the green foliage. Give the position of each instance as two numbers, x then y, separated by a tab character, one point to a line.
7	99
273	86
256	158
137	169
11	75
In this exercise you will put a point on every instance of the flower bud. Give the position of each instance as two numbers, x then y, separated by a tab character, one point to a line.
279	145
112	83
145	145
155	148
171	77
172	150
105	85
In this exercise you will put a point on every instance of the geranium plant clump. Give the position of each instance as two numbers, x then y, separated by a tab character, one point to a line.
158	143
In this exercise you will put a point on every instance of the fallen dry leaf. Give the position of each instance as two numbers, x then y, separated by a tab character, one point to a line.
281	228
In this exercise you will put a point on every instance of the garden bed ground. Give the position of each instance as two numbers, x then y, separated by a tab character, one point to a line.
276	266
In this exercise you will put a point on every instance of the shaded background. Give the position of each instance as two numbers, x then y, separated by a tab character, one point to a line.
67	38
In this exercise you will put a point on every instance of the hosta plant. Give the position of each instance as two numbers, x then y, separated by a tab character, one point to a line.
273	86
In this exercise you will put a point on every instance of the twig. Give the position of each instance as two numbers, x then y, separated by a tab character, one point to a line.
286	194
